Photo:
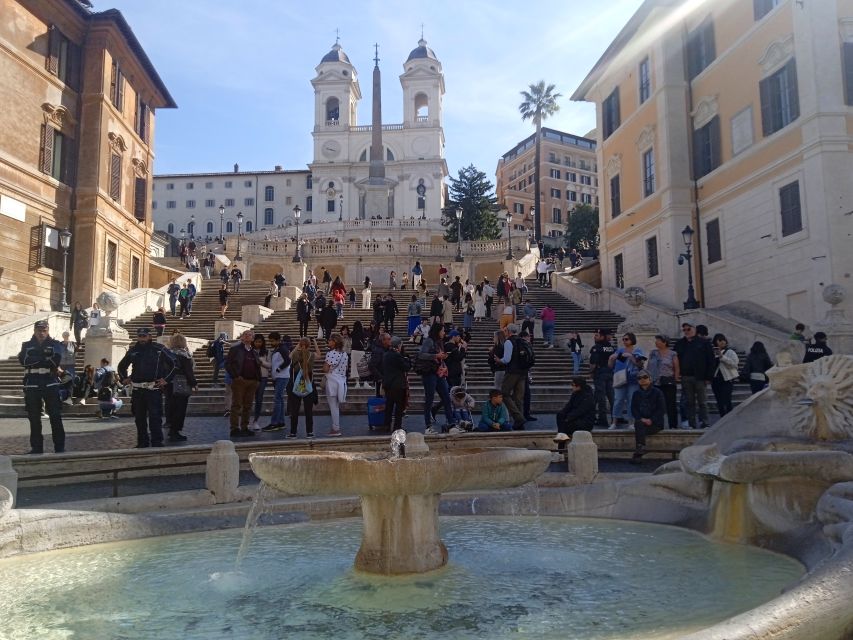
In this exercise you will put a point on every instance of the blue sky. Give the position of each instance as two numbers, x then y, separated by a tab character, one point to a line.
240	71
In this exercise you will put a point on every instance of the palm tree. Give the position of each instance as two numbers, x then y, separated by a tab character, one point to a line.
540	102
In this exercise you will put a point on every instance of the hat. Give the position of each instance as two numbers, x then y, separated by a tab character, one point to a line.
643	374
41	324
223	335
453	334
143	331
460	392
686	324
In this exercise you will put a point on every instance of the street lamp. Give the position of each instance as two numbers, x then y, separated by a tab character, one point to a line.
221	222
239	232
192	226
341	208
65	242
297	256
183	235
509	255
458	257
687	236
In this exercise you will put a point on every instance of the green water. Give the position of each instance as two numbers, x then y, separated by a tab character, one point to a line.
507	578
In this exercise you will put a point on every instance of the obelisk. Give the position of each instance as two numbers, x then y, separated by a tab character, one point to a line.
377	190
377	162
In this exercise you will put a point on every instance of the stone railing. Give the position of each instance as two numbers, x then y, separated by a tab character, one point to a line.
442	250
366	128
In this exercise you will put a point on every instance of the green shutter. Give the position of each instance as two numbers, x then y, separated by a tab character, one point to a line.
115	176
46	146
139	197
53	38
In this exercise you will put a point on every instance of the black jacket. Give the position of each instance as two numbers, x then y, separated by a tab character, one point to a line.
391	308
79	318
328	318
377	358
184	365
436	307
579	412
696	358
455	356
395	365
150	362
46	355
649	404
302	310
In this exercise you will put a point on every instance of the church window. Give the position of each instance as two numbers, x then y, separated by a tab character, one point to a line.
249	227
309	181
249	202
170	228
331	185
363	156
309	203
229	202
389	155
333	110
421	107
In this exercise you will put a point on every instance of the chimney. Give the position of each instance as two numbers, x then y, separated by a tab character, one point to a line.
278	167
236	168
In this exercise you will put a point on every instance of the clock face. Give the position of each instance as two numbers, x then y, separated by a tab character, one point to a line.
331	149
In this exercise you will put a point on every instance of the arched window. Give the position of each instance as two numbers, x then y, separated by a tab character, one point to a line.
248	226
388	155
269	194
363	156
191	229
170	228
331	185
269	217
209	227
229	227
333	110
421	107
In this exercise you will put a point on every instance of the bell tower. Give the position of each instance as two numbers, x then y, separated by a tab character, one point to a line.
423	88
336	96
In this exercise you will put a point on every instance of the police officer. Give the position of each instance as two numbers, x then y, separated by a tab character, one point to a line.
817	349
153	368
602	375
41	356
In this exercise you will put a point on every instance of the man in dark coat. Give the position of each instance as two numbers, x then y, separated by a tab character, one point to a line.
41	355
377	354
395	366
697	365
391	312
648	408
327	319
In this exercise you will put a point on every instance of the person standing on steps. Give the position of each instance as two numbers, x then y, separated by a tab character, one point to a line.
217	352
663	367
259	344
191	291
817	349
489	295
158	321
280	375
413	314
236	277
725	374
602	376
153	368
80	321
755	368
280	281
417	274
172	291
575	347
302	360
395	367
429	363
41	356
303	315
223	275
549	321
392	280
271	293
244	367
518	358
380	346
630	359
223	300
366	294
391	312
335	368
327	280
178	391
456	293
696	360
328	319
405	281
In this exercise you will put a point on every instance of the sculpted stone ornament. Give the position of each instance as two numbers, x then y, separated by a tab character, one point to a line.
636	320
109	302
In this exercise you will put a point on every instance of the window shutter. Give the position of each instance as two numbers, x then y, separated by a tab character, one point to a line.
115	176
113	73
766	93
616	116
793	96
139	198
46	159
69	162
52	61
75	55
119	89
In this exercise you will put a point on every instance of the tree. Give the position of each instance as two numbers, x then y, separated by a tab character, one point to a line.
582	228
540	102
475	194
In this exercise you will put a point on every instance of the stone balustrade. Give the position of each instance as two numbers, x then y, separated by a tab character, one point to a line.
425	249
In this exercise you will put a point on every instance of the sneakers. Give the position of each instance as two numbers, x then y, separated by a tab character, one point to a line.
82	401
290	435
310	436
334	433
704	425
429	431
273	427
613	427
531	418
684	425
68	401
255	426
177	437
455	431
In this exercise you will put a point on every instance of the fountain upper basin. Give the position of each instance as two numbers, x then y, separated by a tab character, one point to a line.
336	472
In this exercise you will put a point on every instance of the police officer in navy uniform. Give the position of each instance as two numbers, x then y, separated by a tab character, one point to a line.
41	356
602	375
817	349
153	368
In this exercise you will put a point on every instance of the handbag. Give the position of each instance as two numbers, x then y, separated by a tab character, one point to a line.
363	368
620	378
442	370
302	386
180	385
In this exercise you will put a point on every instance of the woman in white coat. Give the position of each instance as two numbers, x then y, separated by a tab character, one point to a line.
367	294
479	303
335	368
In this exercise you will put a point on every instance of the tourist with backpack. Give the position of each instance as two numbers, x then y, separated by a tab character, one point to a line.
519	358
280	375
216	352
172	291
430	365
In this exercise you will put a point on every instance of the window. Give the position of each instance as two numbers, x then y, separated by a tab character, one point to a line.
713	245
249	227
530	179
309	203
645	81
154	204
170	228
586	198
287	182
556	193
170	204
649	172
309	181
615	199
556	215
421	202
140	197
208	185
706	148
518	208
572	196
209	227
619	271
247	183
140	119
269	217
555	173
587	180
229	227
700	49
190	204
249	202
269	194
552	157
330	206
170	186
115	176
134	272
63	58
288	200
55	155
116	86
762	7
190	185
779	102
228	184
789	206
571	177
209	204
652	269
847	68
229	202
112	260
610	113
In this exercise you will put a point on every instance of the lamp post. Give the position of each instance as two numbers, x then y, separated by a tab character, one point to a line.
65	242
458	257
297	255
341	208
509	255
191	228
687	236
239	232
221	222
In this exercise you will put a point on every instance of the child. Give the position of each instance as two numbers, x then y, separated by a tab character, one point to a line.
495	416
462	404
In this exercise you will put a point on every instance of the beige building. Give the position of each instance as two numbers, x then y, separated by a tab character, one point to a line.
78	96
568	178
735	118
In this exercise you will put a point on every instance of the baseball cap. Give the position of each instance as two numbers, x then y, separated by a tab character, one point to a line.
143	331
453	334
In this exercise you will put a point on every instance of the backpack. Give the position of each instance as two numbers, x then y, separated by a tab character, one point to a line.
105	394
523	357
211	352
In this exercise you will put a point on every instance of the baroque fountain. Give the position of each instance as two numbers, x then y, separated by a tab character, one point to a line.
762	507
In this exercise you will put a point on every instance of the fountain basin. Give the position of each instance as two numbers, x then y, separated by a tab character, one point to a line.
399	496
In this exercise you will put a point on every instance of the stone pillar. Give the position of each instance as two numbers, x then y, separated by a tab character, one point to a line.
8	477
294	272
636	321
255	314
222	476
582	456
108	339
231	328
281	303
460	269
836	326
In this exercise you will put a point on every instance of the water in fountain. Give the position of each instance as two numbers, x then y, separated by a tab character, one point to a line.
259	504
398	444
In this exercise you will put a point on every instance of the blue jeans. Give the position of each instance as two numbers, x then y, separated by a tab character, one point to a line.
506	426
339	308
576	363
622	400
278	404
461	414
548	331
259	397
433	383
